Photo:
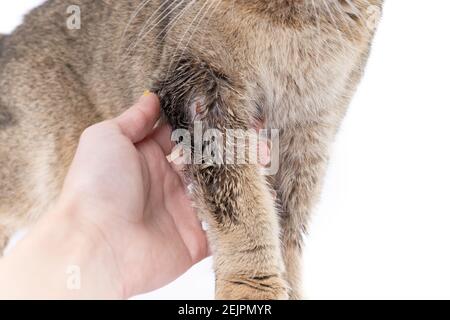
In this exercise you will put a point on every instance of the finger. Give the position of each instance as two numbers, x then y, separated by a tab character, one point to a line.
138	121
162	136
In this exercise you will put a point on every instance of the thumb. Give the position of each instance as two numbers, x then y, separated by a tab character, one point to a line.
138	121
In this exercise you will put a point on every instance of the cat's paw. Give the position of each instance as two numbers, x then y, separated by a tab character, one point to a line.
252	288
295	295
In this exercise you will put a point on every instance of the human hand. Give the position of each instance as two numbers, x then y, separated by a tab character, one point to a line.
122	188
123	218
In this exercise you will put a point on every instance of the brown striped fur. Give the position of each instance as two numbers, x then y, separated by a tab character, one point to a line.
293	64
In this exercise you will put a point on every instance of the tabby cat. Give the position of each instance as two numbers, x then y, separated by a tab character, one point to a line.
292	65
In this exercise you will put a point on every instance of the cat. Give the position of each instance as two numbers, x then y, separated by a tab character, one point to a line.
292	65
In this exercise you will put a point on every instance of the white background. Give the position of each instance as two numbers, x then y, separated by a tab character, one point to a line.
382	228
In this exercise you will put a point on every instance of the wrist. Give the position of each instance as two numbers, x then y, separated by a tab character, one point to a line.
62	257
86	251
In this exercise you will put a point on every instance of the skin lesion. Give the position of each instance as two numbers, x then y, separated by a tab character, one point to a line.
194	86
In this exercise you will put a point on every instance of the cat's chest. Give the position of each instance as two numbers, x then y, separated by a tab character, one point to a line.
298	80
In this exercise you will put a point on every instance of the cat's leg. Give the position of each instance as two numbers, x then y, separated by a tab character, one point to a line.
303	153
244	232
236	202
233	198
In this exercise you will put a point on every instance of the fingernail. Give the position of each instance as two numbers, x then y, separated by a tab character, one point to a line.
147	93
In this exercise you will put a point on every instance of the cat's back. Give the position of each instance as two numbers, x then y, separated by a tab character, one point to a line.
56	31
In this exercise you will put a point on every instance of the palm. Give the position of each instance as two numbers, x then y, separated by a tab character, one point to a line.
166	231
137	201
